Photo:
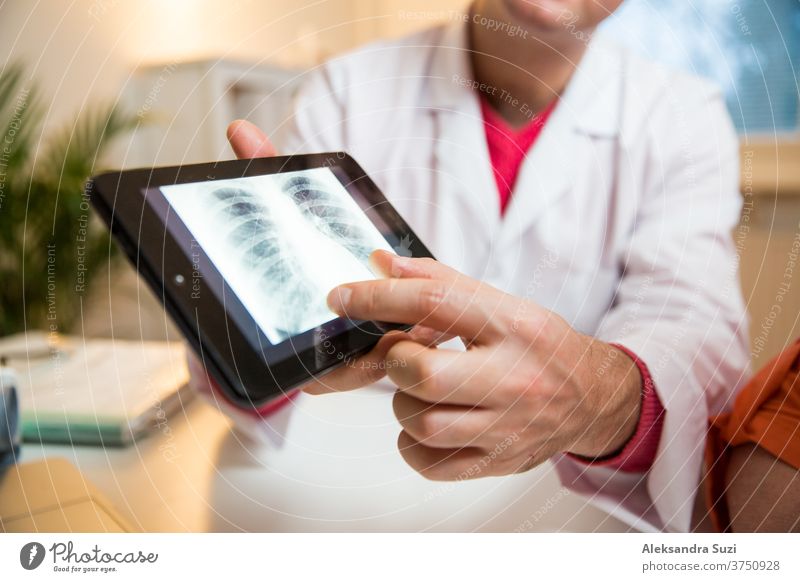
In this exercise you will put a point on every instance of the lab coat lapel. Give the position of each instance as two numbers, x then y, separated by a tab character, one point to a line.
461	155
462	160
589	109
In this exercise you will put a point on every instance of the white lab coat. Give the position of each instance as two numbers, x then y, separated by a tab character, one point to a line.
620	220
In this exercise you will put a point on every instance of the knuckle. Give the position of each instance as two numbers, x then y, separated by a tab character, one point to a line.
395	374
428	262
539	325
428	381
431	297
530	325
494	432
398	351
527	463
371	298
368	375
428	427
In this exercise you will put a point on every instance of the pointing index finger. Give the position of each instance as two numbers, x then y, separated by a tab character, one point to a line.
446	306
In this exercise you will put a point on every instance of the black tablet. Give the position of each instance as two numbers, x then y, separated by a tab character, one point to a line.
243	254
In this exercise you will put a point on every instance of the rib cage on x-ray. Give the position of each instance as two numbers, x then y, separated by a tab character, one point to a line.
255	236
285	247
326	211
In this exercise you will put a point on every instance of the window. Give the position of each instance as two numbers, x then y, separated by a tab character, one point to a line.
750	48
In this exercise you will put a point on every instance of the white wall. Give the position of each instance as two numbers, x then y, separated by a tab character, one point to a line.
83	49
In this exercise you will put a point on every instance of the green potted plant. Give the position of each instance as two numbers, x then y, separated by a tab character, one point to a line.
50	245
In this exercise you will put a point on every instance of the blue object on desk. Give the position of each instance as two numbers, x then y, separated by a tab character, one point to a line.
9	419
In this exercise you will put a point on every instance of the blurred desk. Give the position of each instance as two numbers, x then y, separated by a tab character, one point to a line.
337	469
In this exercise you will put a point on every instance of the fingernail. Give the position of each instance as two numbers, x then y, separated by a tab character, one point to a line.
381	256
339	299
373	259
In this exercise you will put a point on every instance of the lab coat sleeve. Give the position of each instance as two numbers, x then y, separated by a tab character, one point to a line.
678	305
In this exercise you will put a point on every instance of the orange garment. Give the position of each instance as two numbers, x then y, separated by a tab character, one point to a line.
766	413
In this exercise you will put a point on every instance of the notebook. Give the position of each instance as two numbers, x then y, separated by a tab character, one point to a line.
98	391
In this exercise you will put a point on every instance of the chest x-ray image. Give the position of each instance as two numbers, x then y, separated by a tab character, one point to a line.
281	242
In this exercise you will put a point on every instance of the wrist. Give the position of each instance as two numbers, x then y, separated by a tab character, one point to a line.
614	397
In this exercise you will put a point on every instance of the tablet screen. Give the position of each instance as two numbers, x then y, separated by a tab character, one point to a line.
281	242
243	253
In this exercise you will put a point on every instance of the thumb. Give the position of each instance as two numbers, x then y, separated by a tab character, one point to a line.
248	141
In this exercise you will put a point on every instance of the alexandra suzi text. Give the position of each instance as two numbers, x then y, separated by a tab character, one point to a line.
692	549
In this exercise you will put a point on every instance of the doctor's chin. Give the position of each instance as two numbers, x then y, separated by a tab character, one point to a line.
486	266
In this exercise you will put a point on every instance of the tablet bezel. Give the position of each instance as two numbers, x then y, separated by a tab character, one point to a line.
249	372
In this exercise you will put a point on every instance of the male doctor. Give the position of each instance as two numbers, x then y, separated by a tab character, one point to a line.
580	202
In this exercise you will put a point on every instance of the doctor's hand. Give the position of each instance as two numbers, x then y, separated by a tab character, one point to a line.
250	142
528	386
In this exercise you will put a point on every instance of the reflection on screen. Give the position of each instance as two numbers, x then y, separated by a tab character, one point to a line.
281	242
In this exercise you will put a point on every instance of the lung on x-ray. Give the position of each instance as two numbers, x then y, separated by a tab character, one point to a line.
281	242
